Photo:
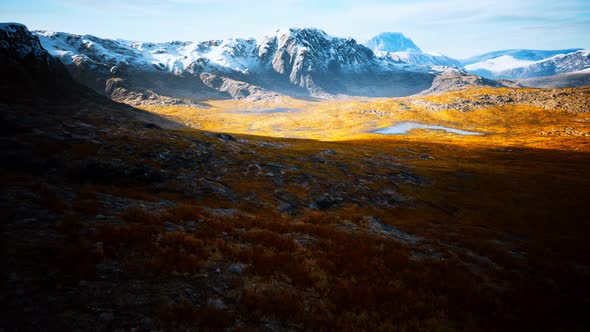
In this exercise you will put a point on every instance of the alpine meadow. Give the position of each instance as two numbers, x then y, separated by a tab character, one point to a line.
299	180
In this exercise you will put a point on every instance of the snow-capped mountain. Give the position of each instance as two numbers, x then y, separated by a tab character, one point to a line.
291	62
175	57
422	59
398	47
392	42
518	54
513	64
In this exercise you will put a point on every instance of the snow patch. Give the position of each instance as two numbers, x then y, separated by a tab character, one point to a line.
499	64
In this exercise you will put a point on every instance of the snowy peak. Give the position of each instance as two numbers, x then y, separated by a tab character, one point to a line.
518	54
433	61
304	36
306	53
515	64
392	42
175	57
397	47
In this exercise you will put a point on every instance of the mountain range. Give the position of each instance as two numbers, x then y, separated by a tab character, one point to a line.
296	62
516	64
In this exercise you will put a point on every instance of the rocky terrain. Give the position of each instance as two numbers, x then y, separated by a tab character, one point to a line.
115	218
567	100
558	81
453	79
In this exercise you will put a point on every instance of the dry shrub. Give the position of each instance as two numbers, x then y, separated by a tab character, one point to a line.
51	200
183	212
81	150
271	221
79	259
136	214
211	229
273	303
134	192
178	252
123	240
316	218
269	239
70	225
86	202
185	316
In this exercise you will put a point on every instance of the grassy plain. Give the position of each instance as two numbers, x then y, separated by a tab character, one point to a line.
504	122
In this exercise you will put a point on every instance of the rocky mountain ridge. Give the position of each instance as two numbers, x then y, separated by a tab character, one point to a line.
294	62
503	64
513	66
27	66
301	63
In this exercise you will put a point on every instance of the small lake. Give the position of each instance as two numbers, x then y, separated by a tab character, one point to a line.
404	127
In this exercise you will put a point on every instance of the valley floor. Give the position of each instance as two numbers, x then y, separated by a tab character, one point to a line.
114	223
540	118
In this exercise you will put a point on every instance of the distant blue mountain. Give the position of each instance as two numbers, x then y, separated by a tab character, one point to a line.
520	54
392	42
398	47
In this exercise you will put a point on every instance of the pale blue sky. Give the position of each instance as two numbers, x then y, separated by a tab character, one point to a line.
457	28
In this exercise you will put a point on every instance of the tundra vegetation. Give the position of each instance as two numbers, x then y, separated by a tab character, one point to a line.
303	219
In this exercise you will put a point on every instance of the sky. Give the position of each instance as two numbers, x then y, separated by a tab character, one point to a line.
457	28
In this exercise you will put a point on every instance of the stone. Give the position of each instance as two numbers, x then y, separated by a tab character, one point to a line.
216	303
147	323
106	317
236	268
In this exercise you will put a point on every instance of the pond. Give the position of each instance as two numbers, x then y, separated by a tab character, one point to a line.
404	127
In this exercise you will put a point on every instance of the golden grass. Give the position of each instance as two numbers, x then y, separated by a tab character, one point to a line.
310	270
350	119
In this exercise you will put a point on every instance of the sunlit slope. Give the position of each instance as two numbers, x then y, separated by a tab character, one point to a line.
532	117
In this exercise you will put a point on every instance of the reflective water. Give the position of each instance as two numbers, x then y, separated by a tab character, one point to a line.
404	127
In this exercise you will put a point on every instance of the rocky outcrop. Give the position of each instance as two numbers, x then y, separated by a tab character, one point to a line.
26	68
557	81
452	79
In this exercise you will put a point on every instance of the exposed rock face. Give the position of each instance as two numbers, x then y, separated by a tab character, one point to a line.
304	54
236	89
26	68
557	81
452	79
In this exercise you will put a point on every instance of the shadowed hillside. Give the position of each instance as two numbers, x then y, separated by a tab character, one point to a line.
116	218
